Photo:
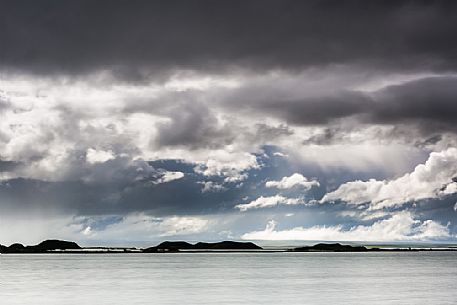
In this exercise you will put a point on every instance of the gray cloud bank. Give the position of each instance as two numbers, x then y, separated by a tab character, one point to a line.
141	38
428	101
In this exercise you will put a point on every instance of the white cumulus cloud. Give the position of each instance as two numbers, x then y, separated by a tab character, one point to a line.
98	156
292	181
263	202
232	166
399	227
432	179
169	176
210	186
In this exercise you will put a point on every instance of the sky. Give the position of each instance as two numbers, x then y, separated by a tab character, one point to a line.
130	122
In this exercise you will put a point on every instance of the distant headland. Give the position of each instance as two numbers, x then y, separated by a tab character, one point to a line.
62	246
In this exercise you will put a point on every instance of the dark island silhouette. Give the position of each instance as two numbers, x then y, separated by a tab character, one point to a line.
336	247
62	246
175	246
43	247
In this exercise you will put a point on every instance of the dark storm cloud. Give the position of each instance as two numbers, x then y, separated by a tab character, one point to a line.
321	109
428	103
138	38
432	101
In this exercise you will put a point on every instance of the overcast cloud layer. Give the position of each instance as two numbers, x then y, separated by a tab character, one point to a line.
132	122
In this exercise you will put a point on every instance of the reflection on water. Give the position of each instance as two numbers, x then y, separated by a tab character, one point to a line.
230	278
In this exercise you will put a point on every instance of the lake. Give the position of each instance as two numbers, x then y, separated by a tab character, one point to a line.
229	278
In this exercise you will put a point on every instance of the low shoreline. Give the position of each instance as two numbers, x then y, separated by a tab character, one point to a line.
68	247
220	251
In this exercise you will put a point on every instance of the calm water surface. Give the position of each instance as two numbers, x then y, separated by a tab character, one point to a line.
230	278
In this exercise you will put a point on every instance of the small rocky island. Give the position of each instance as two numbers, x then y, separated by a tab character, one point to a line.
336	247
43	247
176	246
